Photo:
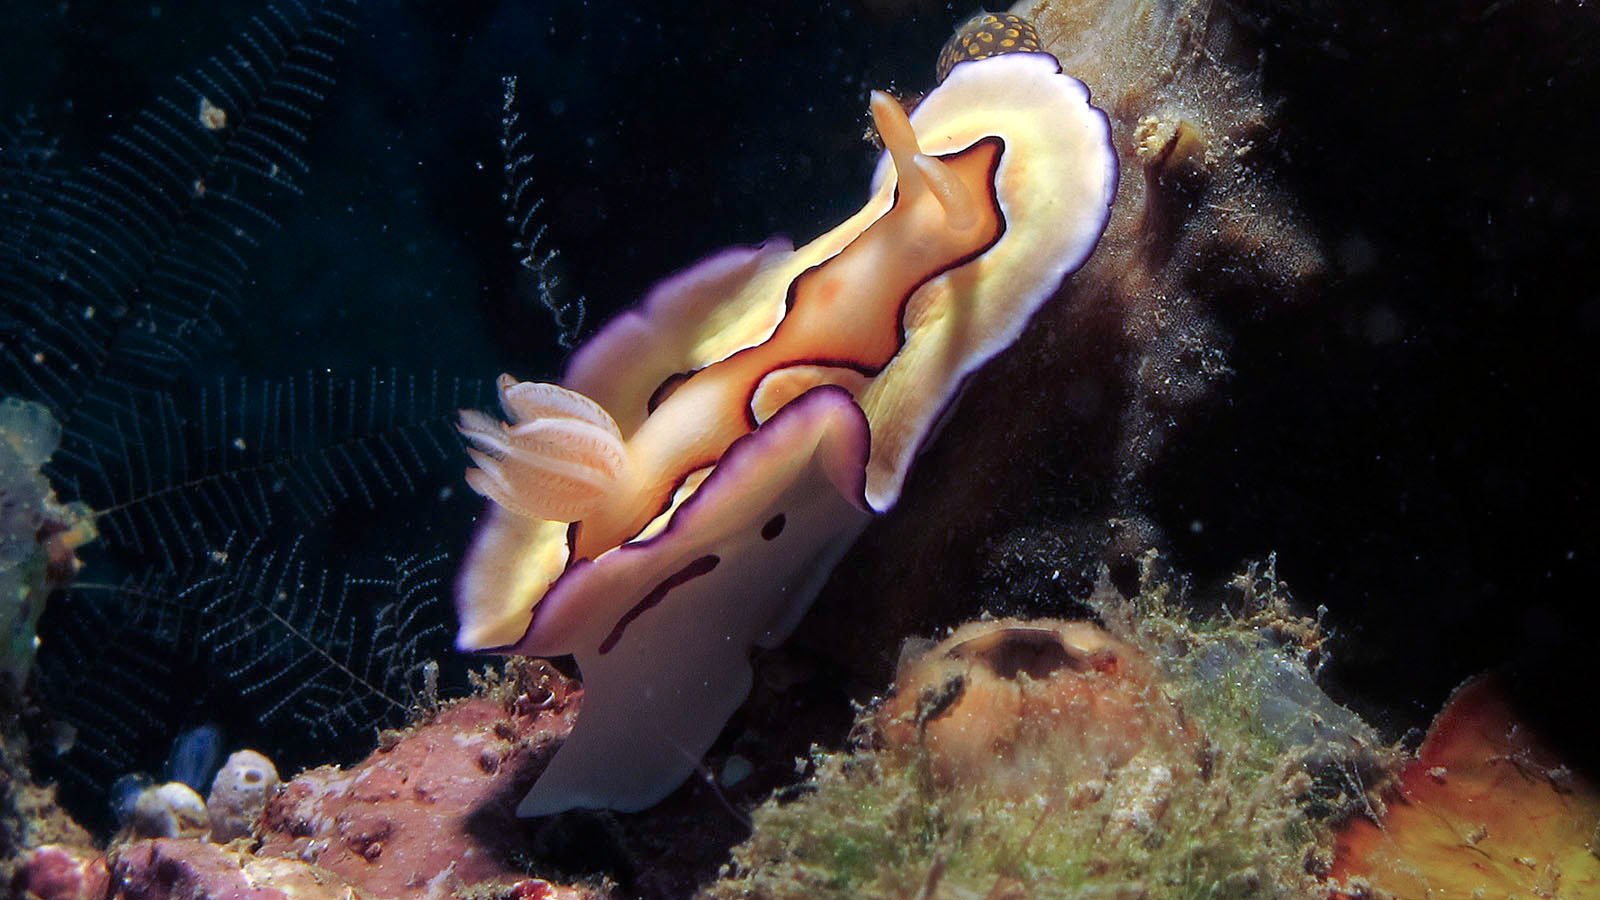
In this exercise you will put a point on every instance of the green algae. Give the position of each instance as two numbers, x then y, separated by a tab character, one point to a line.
37	533
1279	762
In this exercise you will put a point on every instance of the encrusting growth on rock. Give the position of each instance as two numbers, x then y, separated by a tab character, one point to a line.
429	814
38	534
1053	759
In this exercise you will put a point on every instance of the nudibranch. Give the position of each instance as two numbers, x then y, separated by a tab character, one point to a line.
680	497
988	34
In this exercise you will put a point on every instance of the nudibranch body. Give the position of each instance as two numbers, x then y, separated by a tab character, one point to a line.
684	492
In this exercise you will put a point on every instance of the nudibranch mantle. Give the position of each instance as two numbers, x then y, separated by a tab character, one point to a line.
684	492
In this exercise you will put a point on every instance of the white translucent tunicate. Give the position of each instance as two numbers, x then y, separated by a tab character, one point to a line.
1289	703
194	756
30	430
125	793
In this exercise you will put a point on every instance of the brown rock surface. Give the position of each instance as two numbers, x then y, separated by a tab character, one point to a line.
430	814
437	802
192	869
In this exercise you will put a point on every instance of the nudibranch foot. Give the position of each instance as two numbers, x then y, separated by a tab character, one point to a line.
662	629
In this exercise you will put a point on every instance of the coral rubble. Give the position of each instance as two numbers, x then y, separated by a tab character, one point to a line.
61	872
167	868
434	802
30	817
429	814
1041	758
38	537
